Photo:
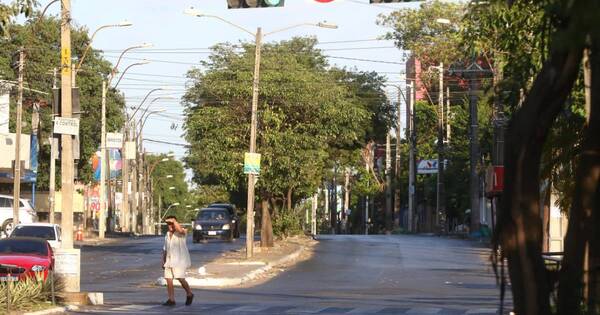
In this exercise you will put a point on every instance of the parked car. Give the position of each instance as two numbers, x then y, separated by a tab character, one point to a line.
49	232
213	223
27	213
24	257
233	213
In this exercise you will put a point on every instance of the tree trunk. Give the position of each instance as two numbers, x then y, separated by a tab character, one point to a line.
581	216
289	198
266	227
519	232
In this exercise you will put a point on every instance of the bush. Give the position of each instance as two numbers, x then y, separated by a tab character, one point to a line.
26	294
287	223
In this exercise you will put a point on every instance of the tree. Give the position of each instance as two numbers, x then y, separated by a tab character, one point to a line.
305	109
41	41
165	175
9	11
543	44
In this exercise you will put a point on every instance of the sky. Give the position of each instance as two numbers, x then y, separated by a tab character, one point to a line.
180	42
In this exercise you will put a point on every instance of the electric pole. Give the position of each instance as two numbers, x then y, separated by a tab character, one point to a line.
388	184
440	213
103	168
474	152
397	170
411	136
19	124
125	180
253	125
134	185
53	151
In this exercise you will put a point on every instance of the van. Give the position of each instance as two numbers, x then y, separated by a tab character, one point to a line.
26	213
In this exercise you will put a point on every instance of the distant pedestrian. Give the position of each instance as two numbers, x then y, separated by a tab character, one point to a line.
176	259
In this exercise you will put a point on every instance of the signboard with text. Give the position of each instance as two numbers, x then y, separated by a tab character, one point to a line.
427	167
252	163
66	126
114	140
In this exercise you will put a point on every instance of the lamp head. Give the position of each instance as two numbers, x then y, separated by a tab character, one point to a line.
324	24
125	23
192	11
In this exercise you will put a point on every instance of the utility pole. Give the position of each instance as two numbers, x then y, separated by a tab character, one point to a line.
53	151
70	256
313	216
411	136
140	176
125	180
253	125
19	123
134	186
158	226
333	213
448	130
144	190
397	170
474	152
103	168
440	212
388	184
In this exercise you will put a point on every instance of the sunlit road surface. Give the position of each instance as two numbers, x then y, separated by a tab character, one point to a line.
396	274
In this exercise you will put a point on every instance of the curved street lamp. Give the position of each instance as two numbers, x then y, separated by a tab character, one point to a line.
89	45
258	38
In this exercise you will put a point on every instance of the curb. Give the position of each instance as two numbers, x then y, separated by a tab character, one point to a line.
54	310
229	282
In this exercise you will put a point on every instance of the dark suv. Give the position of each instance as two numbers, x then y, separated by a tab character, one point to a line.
213	223
233	214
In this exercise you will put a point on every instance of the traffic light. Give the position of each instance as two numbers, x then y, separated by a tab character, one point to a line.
244	4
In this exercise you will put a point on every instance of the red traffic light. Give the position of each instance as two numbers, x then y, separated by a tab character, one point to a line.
247	4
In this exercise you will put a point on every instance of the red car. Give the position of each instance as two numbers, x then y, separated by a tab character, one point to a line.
23	257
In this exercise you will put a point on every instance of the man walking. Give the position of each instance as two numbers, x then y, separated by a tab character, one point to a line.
176	259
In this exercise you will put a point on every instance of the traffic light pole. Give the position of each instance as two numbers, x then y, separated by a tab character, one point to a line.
19	123
253	125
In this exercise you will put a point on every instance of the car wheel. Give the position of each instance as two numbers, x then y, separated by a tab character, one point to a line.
7	227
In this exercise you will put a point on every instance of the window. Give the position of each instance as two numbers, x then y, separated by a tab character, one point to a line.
19	246
45	232
6	202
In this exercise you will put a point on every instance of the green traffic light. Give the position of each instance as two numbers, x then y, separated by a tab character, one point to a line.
273	3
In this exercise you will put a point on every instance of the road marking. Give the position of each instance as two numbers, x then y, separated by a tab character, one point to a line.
366	310
483	311
423	310
306	310
133	307
249	308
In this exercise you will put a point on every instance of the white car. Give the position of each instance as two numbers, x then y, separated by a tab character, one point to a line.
47	231
26	213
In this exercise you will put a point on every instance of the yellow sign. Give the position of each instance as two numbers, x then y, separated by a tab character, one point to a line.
65	61
252	163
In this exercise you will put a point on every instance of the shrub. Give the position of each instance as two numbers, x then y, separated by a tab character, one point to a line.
287	223
26	294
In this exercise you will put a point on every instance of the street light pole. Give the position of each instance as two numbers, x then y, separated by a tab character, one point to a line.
253	123
17	166
103	166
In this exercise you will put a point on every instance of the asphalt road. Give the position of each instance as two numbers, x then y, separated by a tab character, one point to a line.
347	275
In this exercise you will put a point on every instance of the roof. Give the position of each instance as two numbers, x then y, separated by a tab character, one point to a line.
38	224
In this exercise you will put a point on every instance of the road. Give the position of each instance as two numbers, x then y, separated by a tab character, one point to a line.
376	274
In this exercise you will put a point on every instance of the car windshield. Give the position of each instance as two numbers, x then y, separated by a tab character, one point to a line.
20	246
208	215
45	232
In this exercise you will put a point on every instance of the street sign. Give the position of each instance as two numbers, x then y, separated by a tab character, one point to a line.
252	163
130	150
114	140
427	167
66	126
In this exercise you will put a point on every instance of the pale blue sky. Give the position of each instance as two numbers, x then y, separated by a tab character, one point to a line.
162	23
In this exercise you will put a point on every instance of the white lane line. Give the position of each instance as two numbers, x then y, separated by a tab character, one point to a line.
249	308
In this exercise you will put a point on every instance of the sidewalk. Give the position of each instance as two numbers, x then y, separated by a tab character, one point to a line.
232	268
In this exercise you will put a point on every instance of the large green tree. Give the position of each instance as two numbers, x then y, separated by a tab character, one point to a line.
307	113
40	39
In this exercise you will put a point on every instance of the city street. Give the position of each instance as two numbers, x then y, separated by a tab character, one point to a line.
377	274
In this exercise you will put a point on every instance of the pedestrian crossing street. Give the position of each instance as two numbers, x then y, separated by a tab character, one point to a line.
254	309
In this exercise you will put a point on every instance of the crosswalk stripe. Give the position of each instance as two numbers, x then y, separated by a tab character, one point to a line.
306	310
423	310
249	308
366	310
